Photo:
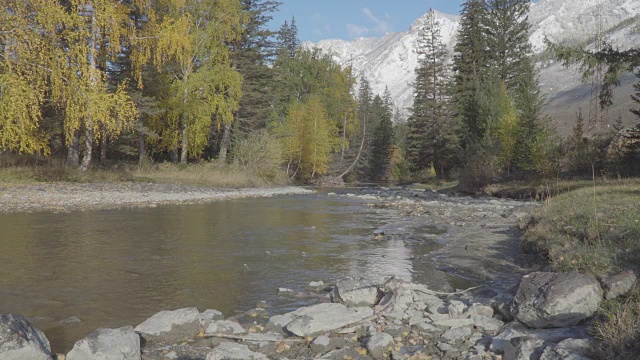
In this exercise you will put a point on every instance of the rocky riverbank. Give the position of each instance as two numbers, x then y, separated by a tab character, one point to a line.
63	197
360	319
519	311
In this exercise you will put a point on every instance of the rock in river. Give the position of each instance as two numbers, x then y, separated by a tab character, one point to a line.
233	351
358	292
379	344
321	318
108	344
551	300
171	326
20	340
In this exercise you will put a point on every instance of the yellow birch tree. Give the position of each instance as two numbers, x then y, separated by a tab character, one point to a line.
190	42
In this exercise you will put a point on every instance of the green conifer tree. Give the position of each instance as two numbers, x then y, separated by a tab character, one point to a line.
470	65
432	140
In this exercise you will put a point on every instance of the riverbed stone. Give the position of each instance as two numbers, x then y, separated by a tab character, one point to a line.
321	318
108	344
569	349
501	304
481	310
456	308
523	348
358	292
171	326
552	300
379	344
486	323
618	284
210	315
21	340
452	323
516	329
316	286
234	351
457	333
226	327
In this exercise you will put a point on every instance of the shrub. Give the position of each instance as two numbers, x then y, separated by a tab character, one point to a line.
261	154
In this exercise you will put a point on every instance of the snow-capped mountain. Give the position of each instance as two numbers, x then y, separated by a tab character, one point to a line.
391	60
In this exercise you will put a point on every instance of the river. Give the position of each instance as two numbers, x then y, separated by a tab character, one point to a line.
71	273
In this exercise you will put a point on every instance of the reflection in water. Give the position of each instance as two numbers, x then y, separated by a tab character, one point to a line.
114	268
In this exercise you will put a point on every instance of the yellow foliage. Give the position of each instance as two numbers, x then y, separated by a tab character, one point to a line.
308	137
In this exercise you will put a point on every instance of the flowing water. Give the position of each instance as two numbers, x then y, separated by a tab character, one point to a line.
113	268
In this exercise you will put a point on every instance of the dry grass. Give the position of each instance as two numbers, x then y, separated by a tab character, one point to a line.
617	328
592	229
203	174
596	230
206	174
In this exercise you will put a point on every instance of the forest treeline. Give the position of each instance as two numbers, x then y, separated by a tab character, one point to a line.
102	81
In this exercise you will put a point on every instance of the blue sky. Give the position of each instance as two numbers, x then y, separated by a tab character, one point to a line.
348	19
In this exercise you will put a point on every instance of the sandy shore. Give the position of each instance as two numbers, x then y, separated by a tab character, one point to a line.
61	197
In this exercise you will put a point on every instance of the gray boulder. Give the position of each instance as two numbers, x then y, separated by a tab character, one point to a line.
501	304
108	344
171	326
570	349
234	351
226	327
321	318
379	344
517	329
486	323
523	348
551	300
618	284
20	340
358	292
458	333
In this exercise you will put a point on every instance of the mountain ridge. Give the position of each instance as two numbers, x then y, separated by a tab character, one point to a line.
391	60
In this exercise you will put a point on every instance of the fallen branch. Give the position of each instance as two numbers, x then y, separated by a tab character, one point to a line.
244	338
431	292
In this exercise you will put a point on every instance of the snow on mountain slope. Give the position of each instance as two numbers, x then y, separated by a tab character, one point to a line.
391	60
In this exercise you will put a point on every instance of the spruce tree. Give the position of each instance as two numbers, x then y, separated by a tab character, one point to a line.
511	60
432	140
382	138
251	55
636	97
470	64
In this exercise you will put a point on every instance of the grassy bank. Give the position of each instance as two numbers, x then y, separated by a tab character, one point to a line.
595	229
202	174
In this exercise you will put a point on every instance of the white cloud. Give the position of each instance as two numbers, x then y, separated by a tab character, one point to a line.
357	30
381	26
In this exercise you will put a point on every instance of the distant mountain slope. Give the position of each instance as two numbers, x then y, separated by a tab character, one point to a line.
391	60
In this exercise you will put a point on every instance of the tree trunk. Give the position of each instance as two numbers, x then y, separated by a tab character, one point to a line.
141	148
184	155
173	154
344	136
88	141
224	145
103	148
88	148
364	131
73	154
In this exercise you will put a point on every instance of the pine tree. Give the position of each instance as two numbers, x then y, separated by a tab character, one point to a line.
251	55
507	35
432	140
511	60
636	97
383	137
469	64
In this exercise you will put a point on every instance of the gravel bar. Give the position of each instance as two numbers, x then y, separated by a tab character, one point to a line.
65	197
